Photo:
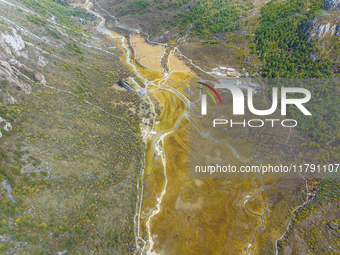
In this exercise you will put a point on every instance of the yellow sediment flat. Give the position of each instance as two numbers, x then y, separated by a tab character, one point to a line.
114	33
149	74
87	5
255	205
187	201
233	74
147	54
197	216
177	65
180	81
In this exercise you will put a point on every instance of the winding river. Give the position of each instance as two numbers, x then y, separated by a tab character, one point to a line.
159	149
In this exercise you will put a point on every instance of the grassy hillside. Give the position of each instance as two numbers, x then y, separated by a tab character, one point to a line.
70	163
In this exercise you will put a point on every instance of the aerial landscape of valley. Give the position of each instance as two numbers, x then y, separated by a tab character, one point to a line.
142	127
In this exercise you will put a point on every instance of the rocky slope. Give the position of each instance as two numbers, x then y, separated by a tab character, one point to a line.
68	168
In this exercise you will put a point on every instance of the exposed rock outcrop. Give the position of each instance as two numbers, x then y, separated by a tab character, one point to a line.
7	126
24	69
9	99
40	78
315	31
332	30
4	48
42	61
322	30
15	41
5	185
25	87
6	67
331	4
